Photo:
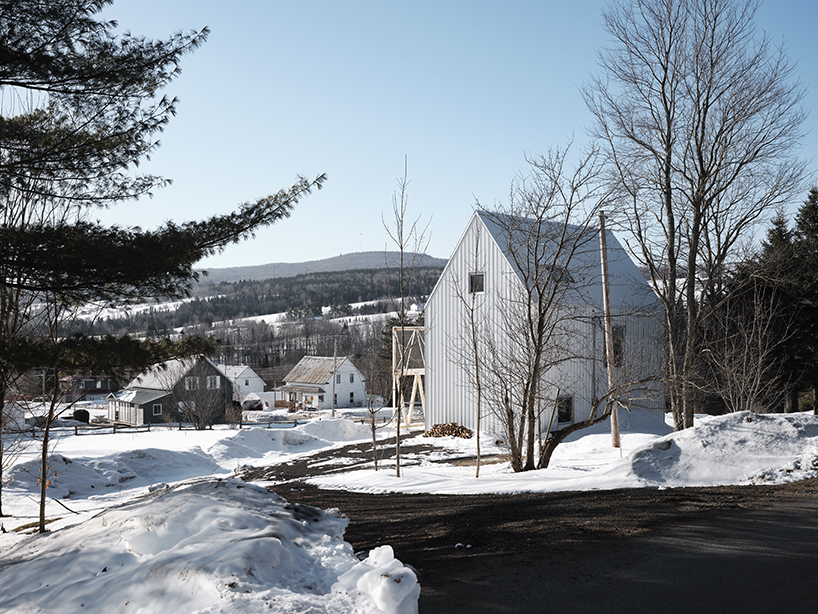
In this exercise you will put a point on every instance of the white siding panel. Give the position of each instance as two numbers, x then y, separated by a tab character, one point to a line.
449	378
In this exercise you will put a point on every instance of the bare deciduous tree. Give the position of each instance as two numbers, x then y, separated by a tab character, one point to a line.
526	334
411	240
545	226
742	345
198	395
700	116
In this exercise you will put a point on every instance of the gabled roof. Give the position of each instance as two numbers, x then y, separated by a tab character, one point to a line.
531	237
305	388
140	396
315	369
236	371
164	377
513	231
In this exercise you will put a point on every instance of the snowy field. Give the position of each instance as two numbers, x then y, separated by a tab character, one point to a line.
156	522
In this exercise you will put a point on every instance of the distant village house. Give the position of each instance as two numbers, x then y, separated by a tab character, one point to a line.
85	387
315	379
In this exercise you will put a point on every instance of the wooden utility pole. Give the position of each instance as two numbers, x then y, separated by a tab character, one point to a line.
606	312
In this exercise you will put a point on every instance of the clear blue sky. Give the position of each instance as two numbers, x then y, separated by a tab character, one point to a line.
463	89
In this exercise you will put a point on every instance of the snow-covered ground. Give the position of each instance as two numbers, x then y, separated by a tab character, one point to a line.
155	522
742	448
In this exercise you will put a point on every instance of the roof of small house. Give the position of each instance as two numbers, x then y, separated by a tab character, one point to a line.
315	369
305	388
140	396
165	376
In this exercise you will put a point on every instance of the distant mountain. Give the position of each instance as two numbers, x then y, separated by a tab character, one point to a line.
344	262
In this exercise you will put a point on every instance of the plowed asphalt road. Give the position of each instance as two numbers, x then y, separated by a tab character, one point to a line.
744	549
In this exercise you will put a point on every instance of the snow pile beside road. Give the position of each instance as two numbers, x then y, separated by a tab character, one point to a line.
211	545
740	448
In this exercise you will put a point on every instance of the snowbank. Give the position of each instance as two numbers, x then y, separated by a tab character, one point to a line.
211	545
740	448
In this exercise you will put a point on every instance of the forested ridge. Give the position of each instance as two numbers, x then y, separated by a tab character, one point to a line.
301	295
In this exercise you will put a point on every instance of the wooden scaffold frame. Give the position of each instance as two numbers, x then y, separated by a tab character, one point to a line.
408	360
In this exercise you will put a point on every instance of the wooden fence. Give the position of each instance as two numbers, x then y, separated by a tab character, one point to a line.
110	428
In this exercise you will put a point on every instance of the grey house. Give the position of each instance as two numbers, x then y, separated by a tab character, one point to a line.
157	395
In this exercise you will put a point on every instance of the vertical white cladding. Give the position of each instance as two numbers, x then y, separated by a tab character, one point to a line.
449	382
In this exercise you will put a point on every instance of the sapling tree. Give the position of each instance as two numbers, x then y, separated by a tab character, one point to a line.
411	240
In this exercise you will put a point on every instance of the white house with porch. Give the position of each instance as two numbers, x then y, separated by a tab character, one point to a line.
484	274
315	379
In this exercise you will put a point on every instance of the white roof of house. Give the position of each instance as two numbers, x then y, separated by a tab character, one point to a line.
140	396
236	371
162	377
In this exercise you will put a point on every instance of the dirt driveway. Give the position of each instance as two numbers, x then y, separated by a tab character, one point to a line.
728	549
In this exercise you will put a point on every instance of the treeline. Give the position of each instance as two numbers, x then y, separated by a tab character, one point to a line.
300	296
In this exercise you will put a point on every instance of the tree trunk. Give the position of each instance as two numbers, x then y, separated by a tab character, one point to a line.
2	448
792	406
374	440
44	467
513	442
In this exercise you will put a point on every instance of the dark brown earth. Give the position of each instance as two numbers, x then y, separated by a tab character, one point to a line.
600	551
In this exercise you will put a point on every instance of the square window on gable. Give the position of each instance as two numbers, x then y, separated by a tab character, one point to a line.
476	283
560	274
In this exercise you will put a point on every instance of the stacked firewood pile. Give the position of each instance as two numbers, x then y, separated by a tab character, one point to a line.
451	429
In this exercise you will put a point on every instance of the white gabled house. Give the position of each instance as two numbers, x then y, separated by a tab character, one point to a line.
482	272
314	380
245	381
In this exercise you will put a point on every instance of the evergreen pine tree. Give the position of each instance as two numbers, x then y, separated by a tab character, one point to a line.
82	108
806	273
